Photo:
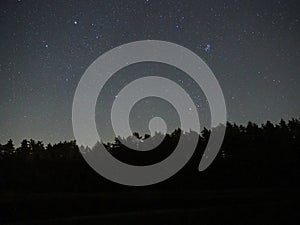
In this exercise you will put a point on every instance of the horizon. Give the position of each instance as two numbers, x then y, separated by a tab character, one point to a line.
18	144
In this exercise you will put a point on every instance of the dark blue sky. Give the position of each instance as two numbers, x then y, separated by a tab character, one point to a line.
251	46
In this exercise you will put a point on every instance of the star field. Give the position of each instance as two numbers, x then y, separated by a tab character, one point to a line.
251	46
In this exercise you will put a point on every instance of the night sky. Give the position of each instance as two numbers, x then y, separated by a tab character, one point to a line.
251	46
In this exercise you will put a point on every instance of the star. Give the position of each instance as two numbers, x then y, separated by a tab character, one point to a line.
207	47
75	22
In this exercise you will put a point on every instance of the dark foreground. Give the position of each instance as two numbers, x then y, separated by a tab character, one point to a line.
253	180
261	206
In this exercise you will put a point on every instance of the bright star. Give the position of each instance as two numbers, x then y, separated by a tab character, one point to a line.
207	48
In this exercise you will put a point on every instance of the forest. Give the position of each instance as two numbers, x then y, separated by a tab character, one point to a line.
250	156
255	176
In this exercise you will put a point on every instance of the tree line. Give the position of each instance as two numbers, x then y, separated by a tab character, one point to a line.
251	155
281	139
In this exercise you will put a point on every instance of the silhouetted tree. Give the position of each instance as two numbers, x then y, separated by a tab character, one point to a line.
8	149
